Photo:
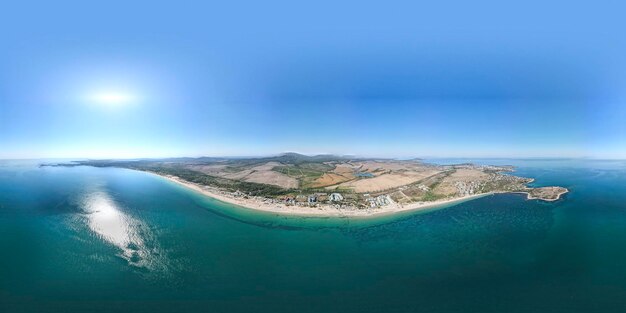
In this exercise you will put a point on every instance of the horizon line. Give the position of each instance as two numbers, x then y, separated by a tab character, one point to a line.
321	154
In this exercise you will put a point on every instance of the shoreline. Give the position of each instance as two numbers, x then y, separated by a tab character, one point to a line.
323	210
531	197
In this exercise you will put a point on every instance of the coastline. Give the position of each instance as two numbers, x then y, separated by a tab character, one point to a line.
531	197
323	210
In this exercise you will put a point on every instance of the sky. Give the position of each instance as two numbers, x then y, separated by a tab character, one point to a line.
121	79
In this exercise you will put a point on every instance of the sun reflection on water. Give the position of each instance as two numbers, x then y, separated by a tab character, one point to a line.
109	222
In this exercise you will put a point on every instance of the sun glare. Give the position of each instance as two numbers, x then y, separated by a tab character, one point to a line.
112	98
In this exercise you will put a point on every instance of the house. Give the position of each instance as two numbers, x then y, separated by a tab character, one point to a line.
288	200
335	197
381	200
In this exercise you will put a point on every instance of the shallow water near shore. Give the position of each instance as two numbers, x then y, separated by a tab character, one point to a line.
104	239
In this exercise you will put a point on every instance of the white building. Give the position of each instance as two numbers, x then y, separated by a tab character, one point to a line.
335	197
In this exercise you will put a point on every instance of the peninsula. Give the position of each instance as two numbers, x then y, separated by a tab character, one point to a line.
328	185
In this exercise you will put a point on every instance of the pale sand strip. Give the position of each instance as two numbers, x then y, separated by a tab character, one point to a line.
322	210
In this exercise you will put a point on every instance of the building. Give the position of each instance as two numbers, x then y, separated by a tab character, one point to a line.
335	197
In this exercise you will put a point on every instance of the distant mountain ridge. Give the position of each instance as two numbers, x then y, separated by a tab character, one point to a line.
288	158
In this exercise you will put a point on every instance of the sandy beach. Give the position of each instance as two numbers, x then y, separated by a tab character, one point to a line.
320	210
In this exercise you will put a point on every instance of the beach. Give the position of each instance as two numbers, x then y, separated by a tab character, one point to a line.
330	210
319	210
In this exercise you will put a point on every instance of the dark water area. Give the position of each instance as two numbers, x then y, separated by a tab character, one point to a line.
88	239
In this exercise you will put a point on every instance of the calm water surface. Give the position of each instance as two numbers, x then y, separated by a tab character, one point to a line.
112	240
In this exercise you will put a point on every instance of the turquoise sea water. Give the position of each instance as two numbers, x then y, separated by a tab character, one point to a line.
112	240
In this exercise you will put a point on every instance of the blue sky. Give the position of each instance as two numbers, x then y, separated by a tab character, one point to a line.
393	79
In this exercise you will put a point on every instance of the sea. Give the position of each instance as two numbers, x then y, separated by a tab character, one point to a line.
85	239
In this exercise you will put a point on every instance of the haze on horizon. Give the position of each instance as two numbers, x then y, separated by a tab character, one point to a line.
143	79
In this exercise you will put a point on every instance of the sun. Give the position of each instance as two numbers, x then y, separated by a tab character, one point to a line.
112	98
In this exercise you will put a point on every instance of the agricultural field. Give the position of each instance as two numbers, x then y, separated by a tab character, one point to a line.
288	175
